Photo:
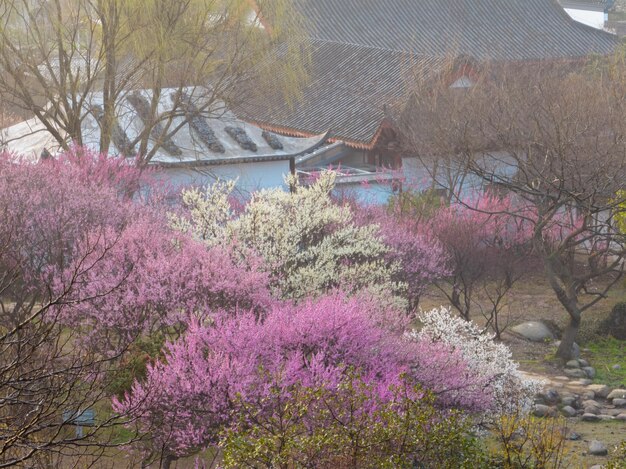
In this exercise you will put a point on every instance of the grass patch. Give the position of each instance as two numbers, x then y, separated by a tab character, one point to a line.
604	354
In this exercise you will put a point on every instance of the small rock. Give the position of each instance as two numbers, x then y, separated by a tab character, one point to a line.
597	448
575	349
592	410
621	417
596	466
569	401
590	371
550	397
619	402
573	436
606	417
601	390
535	331
588	395
575	373
582	382
616	367
541	410
572	364
617	394
590	403
590	417
582	362
568	411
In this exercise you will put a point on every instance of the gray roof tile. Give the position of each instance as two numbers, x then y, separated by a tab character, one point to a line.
349	87
361	50
481	29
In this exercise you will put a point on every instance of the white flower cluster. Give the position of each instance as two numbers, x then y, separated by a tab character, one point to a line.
208	212
309	243
487	358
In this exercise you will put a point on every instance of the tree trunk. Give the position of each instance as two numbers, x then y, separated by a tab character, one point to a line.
166	463
566	350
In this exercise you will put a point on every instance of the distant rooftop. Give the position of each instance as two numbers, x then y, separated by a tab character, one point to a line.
361	50
349	88
480	29
598	5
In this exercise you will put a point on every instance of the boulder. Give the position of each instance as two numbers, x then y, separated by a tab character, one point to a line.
572	364
568	411
615	324
535	331
617	394
583	362
597	448
621	417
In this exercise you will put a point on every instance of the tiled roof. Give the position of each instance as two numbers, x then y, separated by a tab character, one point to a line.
481	29
360	50
347	93
31	137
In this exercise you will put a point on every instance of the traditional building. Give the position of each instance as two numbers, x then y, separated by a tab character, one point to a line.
363	53
203	150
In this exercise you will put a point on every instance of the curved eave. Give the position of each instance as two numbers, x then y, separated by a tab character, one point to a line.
321	139
293	132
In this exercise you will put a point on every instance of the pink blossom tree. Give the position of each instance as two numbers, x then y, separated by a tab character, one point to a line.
152	278
487	249
88	268
49	213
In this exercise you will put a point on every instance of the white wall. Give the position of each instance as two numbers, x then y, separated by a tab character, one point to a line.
594	19
419	178
250	176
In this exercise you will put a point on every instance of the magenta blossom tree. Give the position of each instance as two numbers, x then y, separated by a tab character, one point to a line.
239	362
419	255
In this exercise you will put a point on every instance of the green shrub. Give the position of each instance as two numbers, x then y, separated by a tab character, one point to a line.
420	205
134	365
605	353
618	458
320	428
527	442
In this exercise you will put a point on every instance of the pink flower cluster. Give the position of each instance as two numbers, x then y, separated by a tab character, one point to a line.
217	367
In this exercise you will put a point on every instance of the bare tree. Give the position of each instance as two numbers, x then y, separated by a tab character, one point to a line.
54	55
553	135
